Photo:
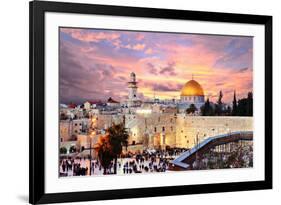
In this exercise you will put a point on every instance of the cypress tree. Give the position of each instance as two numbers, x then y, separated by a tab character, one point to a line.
234	105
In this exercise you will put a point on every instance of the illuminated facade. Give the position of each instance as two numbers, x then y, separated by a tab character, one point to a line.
156	125
192	93
133	100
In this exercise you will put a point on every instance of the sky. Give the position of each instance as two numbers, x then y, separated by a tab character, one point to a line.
95	64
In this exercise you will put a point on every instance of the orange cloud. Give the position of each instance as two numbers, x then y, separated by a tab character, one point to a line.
81	35
165	60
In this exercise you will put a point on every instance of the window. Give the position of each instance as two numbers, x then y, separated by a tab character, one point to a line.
155	129
61	139
163	129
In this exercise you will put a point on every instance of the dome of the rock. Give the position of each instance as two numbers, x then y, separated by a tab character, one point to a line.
192	88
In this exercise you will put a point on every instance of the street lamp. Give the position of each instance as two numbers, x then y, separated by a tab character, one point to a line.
91	154
197	143
92	134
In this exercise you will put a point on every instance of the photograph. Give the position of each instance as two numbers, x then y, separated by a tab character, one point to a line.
150	102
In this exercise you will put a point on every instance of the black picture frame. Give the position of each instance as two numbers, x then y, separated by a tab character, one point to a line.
37	11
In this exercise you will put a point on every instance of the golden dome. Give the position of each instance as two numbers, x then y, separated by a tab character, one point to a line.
192	88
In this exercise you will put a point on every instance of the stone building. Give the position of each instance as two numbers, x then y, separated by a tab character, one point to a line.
159	130
69	129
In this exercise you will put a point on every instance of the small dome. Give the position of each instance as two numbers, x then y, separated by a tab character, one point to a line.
192	88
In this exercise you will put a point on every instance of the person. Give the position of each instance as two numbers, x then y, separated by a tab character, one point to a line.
93	167
63	166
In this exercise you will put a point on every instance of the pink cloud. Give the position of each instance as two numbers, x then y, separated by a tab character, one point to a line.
139	46
139	37
197	58
81	35
148	51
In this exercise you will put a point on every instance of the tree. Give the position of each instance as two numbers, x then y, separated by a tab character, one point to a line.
192	108
218	106
207	109
118	138
72	149
234	105
250	104
63	150
245	106
228	110
104	152
110	146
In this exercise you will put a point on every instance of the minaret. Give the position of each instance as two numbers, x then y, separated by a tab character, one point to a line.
132	86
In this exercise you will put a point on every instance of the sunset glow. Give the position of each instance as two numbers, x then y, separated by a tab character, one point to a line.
95	64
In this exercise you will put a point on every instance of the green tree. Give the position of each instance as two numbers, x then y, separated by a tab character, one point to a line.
218	106
72	149
245	106
207	109
228	110
192	109
104	152
63	150
118	138
234	105
250	104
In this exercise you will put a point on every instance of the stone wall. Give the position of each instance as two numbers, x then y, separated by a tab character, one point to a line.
105	121
158	130
152	130
191	128
68	128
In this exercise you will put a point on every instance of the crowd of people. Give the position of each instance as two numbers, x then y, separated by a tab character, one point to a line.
129	163
241	156
149	161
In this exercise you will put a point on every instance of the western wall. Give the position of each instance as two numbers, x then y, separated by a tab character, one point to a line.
159	130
